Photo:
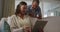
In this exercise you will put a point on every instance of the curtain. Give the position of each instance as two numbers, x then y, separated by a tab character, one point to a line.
8	8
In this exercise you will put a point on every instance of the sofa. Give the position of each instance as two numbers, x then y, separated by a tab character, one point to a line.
4	26
53	24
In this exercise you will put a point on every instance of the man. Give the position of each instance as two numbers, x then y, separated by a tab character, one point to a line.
34	10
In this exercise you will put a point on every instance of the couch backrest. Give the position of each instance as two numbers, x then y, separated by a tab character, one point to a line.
4	25
53	24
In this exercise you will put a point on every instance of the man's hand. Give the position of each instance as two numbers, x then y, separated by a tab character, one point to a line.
39	17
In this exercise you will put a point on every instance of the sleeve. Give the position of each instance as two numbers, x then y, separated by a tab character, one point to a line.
28	9
39	12
13	26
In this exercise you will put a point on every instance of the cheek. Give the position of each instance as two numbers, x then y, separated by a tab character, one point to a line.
34	5
21	9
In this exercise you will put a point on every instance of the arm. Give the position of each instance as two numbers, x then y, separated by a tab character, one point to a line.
17	28
14	27
40	14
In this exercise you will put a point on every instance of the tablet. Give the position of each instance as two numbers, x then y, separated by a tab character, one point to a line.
39	24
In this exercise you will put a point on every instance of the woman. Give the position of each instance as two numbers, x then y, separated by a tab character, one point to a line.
20	22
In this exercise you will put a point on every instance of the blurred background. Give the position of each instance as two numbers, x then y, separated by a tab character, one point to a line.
48	7
50	11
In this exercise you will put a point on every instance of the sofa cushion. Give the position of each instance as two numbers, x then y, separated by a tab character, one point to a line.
4	25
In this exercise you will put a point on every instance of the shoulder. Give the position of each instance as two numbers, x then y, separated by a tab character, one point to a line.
13	16
39	8
10	19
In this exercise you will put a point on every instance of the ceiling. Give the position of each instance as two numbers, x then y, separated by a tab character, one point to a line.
51	1
40	0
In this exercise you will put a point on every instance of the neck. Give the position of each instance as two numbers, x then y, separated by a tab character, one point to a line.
21	15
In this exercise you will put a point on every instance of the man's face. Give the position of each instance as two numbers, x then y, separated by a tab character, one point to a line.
34	5
23	9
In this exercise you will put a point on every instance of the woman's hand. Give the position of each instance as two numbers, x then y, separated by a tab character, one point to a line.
31	14
27	29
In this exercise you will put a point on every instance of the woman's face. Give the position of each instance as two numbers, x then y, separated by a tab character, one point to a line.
23	9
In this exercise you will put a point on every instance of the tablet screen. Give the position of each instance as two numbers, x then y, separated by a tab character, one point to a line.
39	24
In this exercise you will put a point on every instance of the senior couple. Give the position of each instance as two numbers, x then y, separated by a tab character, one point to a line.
21	20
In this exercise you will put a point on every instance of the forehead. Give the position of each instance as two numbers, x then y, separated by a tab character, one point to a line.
35	2
23	5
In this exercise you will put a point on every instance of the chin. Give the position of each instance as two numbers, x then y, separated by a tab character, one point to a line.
23	13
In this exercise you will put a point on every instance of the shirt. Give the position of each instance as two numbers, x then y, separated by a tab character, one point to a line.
17	23
36	12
